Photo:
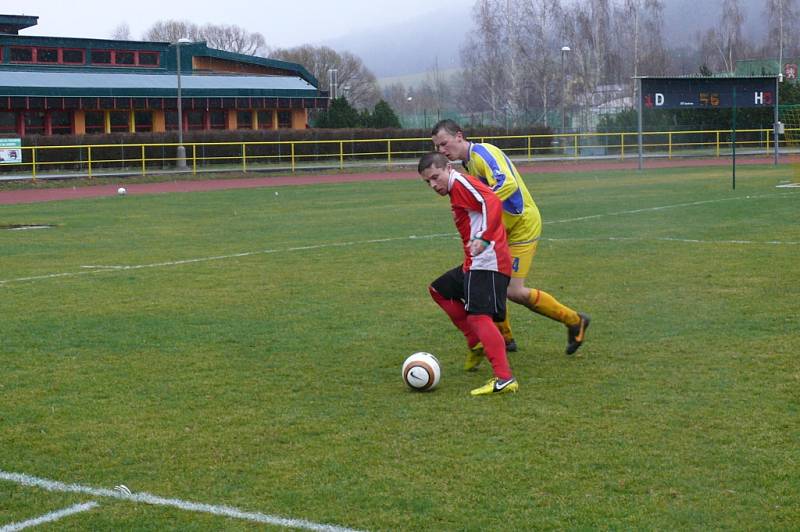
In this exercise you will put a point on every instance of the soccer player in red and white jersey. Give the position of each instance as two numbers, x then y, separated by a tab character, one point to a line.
473	294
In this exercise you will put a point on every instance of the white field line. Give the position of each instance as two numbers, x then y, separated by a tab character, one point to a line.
89	269
147	498
49	518
681	240
665	207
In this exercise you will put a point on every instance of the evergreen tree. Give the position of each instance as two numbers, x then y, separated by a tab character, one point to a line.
340	114
383	116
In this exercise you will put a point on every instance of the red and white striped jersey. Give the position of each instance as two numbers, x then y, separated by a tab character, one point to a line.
478	213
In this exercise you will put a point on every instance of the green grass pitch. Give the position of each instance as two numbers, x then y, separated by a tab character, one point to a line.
242	348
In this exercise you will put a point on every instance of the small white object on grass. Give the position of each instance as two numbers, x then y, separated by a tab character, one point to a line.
121	191
122	488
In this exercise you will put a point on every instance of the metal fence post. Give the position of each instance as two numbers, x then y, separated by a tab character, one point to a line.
669	145
244	157
89	160
144	165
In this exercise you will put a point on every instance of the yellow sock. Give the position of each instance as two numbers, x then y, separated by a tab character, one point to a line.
505	328
543	303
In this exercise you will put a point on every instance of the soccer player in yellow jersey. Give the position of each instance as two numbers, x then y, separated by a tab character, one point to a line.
522	222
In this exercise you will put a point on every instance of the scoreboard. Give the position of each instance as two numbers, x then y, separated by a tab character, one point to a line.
708	93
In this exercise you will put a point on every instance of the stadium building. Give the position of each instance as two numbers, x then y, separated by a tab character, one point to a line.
63	85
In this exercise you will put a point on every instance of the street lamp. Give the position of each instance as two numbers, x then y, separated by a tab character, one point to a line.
181	152
564	50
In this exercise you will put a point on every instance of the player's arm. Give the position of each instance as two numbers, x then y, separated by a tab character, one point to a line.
495	171
468	197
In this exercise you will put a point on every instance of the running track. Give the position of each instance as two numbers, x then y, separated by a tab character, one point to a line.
34	195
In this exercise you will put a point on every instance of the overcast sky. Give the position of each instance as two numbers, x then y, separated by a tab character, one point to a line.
284	23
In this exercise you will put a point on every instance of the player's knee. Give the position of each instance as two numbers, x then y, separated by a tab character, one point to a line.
518	295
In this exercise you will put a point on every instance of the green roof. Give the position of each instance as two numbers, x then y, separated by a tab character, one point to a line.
135	85
14	23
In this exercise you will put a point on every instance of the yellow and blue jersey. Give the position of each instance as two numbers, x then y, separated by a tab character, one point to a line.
520	214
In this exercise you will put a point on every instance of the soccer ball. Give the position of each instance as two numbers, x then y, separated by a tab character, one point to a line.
121	191
421	372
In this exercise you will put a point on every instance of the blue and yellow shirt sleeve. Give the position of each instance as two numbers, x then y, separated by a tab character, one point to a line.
490	165
520	213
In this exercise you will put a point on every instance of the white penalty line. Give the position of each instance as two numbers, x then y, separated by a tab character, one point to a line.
49	518
147	498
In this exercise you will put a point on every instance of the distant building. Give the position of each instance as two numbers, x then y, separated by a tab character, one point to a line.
64	85
768	67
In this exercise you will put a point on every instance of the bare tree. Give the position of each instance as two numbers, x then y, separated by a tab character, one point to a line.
122	32
587	26
730	42
353	79
396	95
485	83
222	37
233	39
171	31
539	21
637	41
781	15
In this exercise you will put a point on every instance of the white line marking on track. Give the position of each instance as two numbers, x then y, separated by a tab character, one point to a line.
147	498
49	518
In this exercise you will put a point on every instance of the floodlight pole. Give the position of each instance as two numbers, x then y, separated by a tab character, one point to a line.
639	120
564	50
181	151
775	131
333	82
733	142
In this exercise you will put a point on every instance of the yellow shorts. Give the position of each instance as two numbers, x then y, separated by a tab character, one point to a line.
522	258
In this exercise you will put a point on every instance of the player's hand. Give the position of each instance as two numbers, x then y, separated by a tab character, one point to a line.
477	246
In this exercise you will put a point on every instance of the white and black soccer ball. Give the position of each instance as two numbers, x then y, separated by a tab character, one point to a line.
421	372
122	191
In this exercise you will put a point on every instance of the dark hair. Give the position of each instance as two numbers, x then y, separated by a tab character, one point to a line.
448	125
432	159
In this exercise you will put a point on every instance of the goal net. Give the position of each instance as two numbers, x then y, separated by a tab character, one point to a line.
790	117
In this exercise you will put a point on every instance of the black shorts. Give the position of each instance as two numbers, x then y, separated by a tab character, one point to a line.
482	291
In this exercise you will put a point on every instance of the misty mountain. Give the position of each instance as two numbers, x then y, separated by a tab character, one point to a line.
413	46
417	45
684	19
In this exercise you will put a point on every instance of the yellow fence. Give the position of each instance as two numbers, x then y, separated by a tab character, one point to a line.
292	156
